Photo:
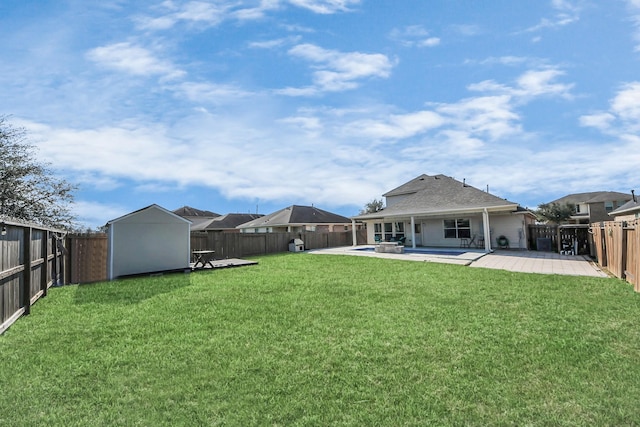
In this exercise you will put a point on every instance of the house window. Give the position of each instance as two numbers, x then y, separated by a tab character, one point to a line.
608	206
457	228
399	230
377	231
388	231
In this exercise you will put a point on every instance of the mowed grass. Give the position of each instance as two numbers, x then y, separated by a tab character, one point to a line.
305	339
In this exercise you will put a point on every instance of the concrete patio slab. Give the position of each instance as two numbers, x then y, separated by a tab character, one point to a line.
511	260
540	262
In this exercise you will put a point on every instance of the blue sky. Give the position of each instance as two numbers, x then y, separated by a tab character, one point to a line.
247	105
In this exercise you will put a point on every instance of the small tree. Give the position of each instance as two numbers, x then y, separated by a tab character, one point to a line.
555	212
28	189
372	207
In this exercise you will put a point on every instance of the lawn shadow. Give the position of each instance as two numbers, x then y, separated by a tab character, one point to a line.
131	290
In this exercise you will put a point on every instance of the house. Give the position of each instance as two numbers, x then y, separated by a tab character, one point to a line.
148	240
225	223
297	219
629	211
196	216
593	206
439	211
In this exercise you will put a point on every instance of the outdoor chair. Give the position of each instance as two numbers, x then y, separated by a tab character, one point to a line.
466	243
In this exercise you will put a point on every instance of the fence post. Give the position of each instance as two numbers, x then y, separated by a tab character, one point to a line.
26	279
45	265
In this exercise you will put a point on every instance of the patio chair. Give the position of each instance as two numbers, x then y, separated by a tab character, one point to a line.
402	240
466	243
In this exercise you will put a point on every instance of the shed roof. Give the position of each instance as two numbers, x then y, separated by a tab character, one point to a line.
297	215
147	208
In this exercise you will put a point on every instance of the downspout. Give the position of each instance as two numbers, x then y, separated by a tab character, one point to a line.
354	237
486	231
413	232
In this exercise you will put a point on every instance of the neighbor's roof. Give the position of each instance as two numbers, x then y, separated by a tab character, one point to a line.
297	215
225	222
439	194
188	211
630	206
593	197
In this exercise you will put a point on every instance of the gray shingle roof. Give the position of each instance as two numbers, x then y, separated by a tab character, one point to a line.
439	194
630	206
297	215
188	211
225	222
593	197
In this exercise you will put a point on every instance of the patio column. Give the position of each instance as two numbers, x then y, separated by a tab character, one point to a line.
413	232
354	236
487	230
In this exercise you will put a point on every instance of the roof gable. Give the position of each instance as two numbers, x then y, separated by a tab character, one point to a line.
439	194
152	212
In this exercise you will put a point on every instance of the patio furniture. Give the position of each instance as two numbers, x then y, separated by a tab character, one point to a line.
466	243
503	242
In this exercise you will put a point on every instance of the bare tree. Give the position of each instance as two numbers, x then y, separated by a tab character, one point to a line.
29	190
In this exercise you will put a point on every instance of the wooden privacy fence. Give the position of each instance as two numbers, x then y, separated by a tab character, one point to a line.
617	247
87	260
31	261
550	238
237	245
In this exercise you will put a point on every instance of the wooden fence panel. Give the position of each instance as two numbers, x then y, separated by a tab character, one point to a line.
618	249
632	272
87	258
27	258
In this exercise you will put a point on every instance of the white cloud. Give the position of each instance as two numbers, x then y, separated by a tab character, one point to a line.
566	12
623	117
133	59
338	71
396	126
414	35
325	6
211	92
530	84
211	14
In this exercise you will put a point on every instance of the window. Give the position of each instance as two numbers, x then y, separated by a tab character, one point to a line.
377	231
608	206
399	230
457	228
388	231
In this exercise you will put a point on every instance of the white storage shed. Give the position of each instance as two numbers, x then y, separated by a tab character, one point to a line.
148	240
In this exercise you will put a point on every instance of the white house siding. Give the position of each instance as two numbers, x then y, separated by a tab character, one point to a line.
147	241
512	226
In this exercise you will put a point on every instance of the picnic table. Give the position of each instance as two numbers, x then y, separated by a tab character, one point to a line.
203	258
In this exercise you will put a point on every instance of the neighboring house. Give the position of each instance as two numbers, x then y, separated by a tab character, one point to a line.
295	219
439	211
593	206
225	223
196	216
629	211
148	240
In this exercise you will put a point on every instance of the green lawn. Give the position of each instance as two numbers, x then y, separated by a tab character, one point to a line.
322	340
